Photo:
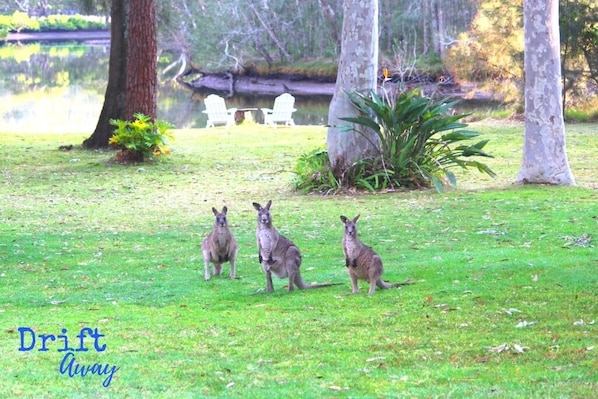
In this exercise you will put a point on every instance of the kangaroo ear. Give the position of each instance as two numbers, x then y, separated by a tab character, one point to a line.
215	211
355	218
343	219
257	206
268	205
224	210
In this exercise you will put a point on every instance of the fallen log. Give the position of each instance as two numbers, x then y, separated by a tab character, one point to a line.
229	85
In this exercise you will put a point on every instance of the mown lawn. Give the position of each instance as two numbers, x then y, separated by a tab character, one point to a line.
504	302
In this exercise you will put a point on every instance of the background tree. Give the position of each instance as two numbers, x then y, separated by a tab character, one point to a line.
544	154
579	48
132	74
357	71
491	51
234	34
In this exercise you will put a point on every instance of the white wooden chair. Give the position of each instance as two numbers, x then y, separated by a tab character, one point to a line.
282	112
217	112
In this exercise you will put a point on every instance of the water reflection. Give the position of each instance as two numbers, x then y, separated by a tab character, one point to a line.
59	88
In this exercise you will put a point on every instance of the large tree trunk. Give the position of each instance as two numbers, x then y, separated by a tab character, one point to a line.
114	99
544	154
357	71
142	79
132	78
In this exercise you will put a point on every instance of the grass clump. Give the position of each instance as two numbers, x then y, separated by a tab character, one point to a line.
314	174
503	304
586	112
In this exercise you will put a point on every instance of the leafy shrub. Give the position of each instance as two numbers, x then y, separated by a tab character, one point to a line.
314	174
140	138
418	143
57	22
5	26
20	21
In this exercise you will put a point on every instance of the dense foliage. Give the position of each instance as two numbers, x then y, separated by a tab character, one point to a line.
22	22
491	51
41	8
235	34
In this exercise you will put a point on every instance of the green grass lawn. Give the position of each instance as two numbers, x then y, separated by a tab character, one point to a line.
503	305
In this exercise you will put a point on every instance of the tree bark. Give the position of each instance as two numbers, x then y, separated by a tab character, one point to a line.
114	99
357	71
544	152
436	23
132	77
426	28
142	50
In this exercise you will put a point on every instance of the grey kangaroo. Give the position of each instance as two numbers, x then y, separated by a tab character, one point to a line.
362	262
219	246
278	254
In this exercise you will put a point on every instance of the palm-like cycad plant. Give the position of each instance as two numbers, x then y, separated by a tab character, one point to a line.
419	141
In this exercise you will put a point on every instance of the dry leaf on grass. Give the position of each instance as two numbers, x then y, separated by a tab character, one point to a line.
524	323
373	359
581	322
585	240
519	349
499	348
516	348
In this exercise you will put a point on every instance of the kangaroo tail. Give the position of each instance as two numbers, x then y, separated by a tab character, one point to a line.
318	285
304	286
385	285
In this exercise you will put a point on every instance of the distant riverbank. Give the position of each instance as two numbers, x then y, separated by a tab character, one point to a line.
269	85
56	36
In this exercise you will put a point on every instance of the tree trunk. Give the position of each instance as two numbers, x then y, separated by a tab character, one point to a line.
544	153
285	55
357	71
329	15
426	27
114	99
142	50
436	24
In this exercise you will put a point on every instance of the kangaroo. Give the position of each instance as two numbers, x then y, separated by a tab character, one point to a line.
219	246
362	262
278	254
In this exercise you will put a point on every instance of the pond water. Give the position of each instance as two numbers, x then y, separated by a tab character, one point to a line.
59	88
